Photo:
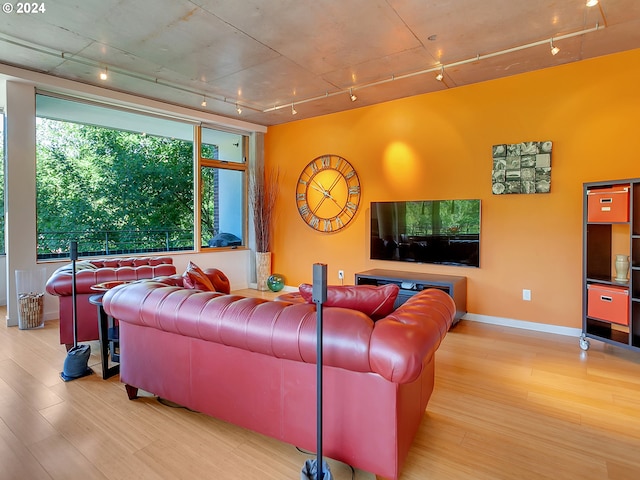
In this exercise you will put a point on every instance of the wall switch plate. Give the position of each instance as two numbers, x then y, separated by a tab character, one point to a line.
526	295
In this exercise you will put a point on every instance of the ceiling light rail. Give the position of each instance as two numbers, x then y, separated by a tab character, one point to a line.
440	67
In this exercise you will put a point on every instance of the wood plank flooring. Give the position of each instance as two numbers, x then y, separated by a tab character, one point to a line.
508	404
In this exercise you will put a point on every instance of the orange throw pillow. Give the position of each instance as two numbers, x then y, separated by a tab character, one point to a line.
195	278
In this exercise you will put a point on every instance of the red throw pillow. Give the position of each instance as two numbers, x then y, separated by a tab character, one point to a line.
195	278
375	301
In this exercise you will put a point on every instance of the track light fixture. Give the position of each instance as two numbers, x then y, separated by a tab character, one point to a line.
238	109
204	101
103	74
352	96
554	49
440	74
293	110
592	3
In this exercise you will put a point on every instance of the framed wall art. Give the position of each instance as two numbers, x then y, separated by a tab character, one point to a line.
521	168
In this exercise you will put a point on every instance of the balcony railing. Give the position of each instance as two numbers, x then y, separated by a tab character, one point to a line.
110	242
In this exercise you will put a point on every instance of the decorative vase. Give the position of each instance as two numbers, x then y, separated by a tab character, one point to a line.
622	268
263	269
275	282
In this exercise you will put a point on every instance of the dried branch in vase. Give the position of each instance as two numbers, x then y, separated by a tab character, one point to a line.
263	191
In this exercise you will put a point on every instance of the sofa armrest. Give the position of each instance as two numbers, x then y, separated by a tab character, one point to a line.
407	339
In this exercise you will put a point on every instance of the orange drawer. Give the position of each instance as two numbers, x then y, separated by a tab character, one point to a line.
608	303
608	204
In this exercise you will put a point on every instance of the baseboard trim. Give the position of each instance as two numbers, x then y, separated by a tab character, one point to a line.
509	322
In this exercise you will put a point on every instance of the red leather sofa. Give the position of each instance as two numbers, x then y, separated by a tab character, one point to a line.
251	362
92	272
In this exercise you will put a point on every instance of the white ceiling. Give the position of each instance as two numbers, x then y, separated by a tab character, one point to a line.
265	54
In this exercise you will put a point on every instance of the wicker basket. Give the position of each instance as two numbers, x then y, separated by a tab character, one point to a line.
30	310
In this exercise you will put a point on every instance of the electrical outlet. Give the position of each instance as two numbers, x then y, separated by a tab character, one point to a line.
340	274
526	295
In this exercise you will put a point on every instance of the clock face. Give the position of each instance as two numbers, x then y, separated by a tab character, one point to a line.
328	193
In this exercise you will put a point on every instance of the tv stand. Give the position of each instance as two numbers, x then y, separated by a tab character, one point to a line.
411	283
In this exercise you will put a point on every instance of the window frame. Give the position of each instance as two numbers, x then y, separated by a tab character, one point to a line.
198	162
202	162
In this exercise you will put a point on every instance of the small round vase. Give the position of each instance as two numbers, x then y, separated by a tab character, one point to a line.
275	282
622	268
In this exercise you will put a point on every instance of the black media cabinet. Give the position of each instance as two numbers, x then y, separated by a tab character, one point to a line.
411	283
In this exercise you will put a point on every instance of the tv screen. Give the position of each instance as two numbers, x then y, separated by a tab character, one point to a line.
445	232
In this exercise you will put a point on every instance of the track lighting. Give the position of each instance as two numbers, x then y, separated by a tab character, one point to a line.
238	109
352	96
293	110
441	67
204	101
438	68
592	3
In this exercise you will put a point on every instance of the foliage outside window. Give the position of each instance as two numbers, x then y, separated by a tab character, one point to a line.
117	182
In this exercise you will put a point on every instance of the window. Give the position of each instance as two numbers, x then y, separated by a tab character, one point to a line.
122	182
222	188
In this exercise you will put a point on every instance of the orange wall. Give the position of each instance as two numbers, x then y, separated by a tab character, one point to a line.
438	146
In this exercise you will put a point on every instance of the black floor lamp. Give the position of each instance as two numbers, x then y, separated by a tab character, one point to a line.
318	469
76	365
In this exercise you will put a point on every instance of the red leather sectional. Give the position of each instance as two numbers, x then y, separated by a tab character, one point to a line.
251	362
92	272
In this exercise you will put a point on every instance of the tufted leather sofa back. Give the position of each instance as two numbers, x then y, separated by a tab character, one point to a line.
131	262
395	347
107	270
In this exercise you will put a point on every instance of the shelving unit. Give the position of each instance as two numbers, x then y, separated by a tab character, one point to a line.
611	226
411	283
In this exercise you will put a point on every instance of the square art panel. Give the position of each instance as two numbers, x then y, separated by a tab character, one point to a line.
521	168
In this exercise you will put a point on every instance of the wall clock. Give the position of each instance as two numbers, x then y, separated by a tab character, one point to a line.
328	193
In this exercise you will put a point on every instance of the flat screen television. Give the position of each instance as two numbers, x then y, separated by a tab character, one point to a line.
445	232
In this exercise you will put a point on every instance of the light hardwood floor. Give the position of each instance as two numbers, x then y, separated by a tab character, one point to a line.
508	404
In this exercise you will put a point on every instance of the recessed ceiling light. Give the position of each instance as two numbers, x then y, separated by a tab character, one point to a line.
592	3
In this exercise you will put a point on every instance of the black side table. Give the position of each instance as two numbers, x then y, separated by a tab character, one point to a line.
109	339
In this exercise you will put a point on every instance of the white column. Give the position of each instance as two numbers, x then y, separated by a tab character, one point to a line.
20	187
